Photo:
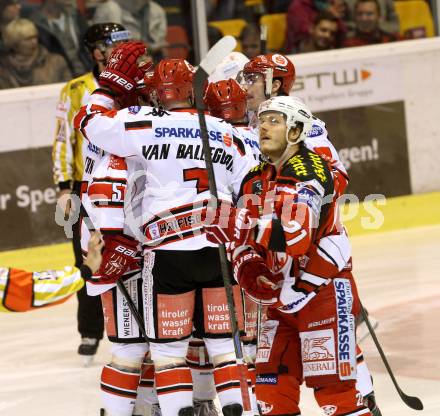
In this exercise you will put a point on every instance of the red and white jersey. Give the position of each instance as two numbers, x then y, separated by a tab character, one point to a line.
111	207
251	140
169	147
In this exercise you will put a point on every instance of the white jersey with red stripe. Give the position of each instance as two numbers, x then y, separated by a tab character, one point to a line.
109	196
251	141
169	147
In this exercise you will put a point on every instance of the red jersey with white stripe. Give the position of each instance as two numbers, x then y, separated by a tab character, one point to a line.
299	225
169	148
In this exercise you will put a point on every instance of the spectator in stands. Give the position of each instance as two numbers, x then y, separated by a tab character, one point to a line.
324	34
27	62
146	20
61	28
367	30
389	20
250	41
302	14
9	11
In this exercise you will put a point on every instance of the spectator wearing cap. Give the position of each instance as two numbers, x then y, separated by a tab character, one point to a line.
324	34
367	27
9	11
61	28
26	62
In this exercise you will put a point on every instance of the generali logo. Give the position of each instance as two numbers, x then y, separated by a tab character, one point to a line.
325	79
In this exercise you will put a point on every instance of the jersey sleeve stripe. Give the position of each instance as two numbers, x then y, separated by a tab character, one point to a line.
239	145
138	125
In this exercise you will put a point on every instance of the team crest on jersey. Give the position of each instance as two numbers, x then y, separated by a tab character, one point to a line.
315	131
329	410
134	109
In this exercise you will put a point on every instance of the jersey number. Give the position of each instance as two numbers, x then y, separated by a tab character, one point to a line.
117	192
197	174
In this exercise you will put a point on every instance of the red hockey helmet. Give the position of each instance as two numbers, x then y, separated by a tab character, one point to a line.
272	66
145	87
226	99
172	80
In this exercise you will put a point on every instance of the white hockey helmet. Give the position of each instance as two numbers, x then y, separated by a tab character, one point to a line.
229	67
296	112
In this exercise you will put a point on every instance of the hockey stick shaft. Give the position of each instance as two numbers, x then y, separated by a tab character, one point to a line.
133	309
411	401
207	66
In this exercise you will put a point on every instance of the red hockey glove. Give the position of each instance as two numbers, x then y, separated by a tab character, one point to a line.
120	255
228	224
259	283
123	70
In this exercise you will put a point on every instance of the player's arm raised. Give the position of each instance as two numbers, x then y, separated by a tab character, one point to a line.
99	121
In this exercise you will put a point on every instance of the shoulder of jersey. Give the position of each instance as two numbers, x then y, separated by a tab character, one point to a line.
307	165
255	171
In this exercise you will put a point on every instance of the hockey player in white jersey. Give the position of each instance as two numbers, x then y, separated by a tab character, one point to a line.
126	381
183	274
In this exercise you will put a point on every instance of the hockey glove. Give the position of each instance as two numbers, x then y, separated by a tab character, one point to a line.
259	283
120	255
123	69
228	224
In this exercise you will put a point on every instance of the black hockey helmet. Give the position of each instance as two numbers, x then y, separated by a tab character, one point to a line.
102	35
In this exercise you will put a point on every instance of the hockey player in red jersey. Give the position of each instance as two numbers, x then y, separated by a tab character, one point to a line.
284	258
183	276
273	75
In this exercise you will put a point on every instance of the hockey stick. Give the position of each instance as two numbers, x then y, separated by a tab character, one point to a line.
214	56
133	309
411	401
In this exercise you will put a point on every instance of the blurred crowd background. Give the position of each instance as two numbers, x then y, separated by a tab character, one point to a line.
41	40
